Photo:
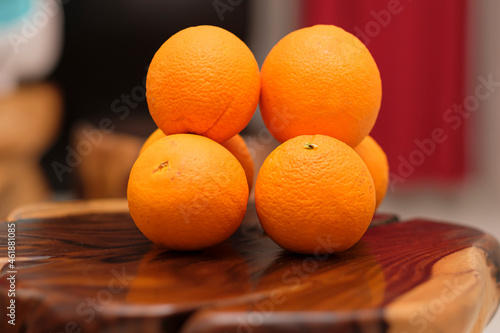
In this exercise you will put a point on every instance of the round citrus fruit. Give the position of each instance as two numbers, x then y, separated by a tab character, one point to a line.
320	80
203	80
236	145
376	161
187	192
152	138
314	195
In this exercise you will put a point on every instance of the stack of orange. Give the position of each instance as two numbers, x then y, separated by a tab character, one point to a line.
189	187
320	95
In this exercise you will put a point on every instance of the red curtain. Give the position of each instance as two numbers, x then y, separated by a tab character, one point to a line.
419	46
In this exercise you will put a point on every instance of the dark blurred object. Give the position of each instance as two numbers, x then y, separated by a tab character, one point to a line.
108	47
104	169
29	122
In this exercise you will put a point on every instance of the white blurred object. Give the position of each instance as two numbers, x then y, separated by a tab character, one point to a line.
30	40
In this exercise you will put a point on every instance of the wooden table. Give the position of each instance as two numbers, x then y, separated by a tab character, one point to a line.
85	267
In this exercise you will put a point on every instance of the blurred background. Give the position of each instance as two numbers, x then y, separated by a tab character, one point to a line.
73	113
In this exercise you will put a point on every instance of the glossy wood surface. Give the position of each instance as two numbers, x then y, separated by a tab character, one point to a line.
85	267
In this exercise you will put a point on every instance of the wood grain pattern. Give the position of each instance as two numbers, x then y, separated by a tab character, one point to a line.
68	208
460	290
90	269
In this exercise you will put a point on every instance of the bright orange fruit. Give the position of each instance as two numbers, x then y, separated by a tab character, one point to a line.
152	138
203	80
320	80
376	160
236	145
314	195
187	192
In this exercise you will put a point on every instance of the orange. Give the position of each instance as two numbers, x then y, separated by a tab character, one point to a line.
187	192
376	161
314	195
320	80
236	145
153	137
203	80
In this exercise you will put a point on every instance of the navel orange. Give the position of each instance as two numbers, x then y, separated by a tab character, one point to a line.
314	195
203	80
320	80
376	161
187	192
